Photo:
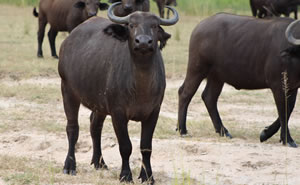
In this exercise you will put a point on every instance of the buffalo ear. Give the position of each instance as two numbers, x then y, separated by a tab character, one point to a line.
117	31
79	4
103	6
293	51
163	37
113	1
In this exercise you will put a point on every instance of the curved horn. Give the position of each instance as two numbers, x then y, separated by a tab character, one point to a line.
288	33
173	20
113	17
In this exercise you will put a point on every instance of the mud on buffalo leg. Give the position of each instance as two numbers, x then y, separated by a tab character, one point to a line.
71	106
194	77
272	129
120	124
41	33
148	127
280	104
95	130
210	97
52	35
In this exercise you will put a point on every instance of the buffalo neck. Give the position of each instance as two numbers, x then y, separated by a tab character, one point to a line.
146	72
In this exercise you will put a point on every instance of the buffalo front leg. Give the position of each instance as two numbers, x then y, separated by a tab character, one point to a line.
210	97
148	127
272	129
283	113
120	124
95	130
52	36
41	34
71	106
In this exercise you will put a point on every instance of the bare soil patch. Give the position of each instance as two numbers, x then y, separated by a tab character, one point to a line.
191	160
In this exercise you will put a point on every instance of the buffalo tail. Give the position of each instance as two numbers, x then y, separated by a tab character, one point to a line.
35	13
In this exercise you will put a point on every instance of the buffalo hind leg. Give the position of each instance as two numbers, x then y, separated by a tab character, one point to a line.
284	115
71	106
52	36
272	129
210	97
186	92
148	127
120	124
41	34
95	130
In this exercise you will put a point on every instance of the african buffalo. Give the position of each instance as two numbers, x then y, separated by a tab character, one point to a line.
63	16
264	8
129	6
161	6
114	70
222	50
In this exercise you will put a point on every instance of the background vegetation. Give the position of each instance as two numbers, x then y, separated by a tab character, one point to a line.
190	7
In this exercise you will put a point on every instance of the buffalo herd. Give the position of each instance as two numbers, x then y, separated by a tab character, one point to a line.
115	67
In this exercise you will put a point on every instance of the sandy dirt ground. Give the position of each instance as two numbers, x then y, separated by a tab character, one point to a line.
207	161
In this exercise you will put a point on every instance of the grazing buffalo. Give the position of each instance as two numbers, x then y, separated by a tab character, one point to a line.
161	6
222	50
264	8
115	70
129	6
63	16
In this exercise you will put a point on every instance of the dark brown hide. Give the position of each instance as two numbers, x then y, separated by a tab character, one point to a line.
63	15
266	8
129	6
118	71
161	6
222	50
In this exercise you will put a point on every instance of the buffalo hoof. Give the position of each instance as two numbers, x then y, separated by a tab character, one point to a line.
98	162
126	177
183	132
144	177
263	136
227	134
224	132
69	172
101	166
40	56
292	144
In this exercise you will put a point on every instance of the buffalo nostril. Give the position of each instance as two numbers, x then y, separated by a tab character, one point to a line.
92	14
137	41
150	42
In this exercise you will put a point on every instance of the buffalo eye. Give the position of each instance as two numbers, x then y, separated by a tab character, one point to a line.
154	26
132	25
